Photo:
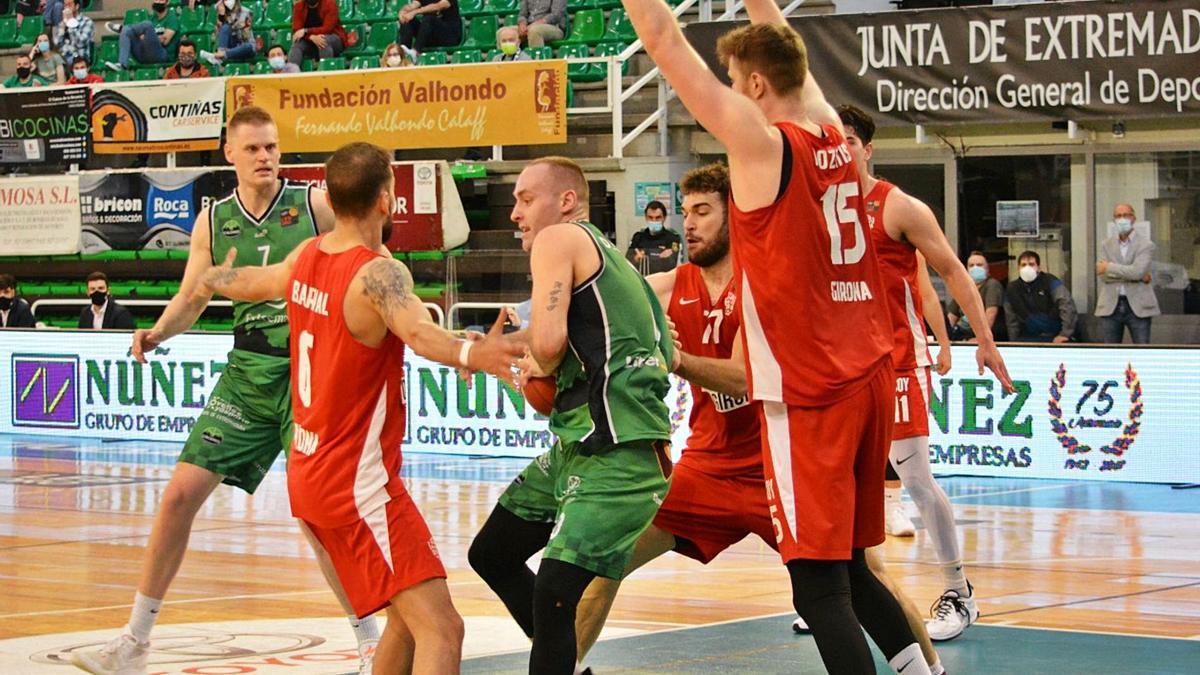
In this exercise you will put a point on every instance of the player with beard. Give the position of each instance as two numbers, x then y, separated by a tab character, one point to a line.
352	311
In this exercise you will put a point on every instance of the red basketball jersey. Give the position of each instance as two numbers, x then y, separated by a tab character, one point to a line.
898	263
724	438
813	319
347	398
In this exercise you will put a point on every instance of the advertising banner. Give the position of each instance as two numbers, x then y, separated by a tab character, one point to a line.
1078	412
152	210
157	117
427	107
1028	62
39	216
44	125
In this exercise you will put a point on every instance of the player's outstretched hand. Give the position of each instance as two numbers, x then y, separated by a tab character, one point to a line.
989	356
215	276
145	341
943	361
497	355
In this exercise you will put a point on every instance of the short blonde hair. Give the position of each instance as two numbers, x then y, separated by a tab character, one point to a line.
569	172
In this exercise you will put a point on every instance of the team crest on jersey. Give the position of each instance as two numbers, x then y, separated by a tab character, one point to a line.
730	302
873	205
230	228
289	217
212	436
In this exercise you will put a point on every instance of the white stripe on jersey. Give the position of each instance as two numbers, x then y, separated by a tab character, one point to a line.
370	481
779	440
916	326
377	522
765	374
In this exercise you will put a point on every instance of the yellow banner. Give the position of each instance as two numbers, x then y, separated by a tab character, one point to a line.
516	103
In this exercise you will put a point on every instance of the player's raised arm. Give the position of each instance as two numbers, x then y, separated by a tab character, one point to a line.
553	270
921	229
249	284
183	309
386	285
730	117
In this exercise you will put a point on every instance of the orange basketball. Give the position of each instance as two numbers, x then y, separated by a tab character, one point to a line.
539	392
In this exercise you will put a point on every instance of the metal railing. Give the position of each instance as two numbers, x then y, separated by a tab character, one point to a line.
436	310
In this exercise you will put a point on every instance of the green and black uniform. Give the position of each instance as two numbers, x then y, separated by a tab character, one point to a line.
603	481
248	418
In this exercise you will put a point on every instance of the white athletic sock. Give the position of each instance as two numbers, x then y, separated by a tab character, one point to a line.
953	577
910	661
891	496
366	629
936	668
143	616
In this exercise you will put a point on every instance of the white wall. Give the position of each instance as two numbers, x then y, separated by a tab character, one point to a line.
861	6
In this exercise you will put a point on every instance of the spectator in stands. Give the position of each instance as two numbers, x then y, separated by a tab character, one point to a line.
81	74
508	41
235	34
277	59
317	31
654	248
75	33
14	311
27	8
990	290
153	41
24	75
186	67
425	24
1037	306
395	56
542	21
1126	297
46	60
104	312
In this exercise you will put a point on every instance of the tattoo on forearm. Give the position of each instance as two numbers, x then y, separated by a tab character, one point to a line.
223	277
387	285
555	294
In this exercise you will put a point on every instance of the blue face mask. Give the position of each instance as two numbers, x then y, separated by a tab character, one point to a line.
1124	225
977	273
277	62
655	226
43	47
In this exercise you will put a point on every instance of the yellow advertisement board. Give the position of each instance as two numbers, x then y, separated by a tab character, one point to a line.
515	103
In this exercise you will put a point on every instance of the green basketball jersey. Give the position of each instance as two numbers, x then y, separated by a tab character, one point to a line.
570	420
618	331
261	326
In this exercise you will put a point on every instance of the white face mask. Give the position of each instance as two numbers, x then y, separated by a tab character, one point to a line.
72	22
1029	273
277	62
394	60
1124	225
230	3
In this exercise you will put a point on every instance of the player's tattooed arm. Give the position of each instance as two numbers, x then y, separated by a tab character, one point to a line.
388	285
555	296
249	283
553	268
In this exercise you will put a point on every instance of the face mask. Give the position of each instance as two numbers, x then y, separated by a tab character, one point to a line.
276	62
22	72
5	304
187	61
43	47
509	48
230	3
99	298
394	60
977	273
1028	273
655	226
159	7
80	73
72	22
1124	225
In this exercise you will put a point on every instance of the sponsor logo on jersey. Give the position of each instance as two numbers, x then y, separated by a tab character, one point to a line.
304	441
725	403
730	303
212	436
850	291
289	217
231	228
310	298
642	362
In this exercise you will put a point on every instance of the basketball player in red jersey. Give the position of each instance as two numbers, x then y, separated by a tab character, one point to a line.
906	233
815	327
717	496
352	312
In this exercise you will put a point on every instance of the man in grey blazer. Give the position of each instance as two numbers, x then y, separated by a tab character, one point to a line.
1126	297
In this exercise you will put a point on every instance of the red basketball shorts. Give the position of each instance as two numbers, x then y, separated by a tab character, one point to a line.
708	513
912	404
387	551
825	469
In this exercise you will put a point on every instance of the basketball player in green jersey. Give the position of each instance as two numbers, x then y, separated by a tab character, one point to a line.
589	498
247	421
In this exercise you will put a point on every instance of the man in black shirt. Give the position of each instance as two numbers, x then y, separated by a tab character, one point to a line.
1037	306
654	248
14	311
104	312
430	23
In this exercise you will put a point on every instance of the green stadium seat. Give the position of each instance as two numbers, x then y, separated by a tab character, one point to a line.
108	50
118	76
382	34
579	72
392	7
610	49
481	33
497	7
278	14
152	254
620	28
30	29
308	66
576	5
194	20
510	20
608	4
360	45
540	53
471	7
587	27
136	15
145	73
281	37
262	68
8	32
372	10
333	63
238	68
432	59
363	62
466	56
491	54
346	10
204	42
